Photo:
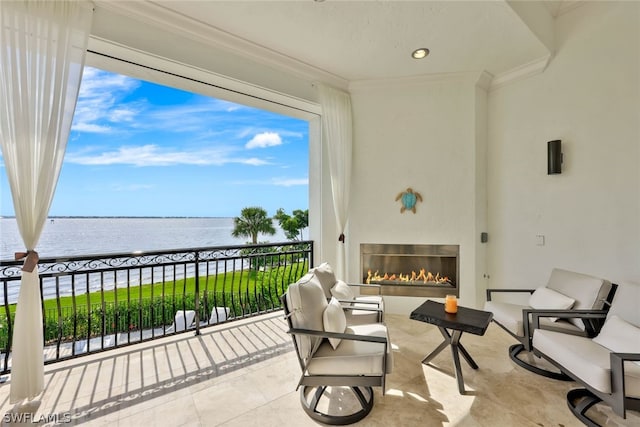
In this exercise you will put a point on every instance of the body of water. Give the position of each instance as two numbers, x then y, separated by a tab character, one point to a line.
81	236
64	237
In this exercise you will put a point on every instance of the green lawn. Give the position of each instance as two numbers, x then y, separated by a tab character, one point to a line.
152	305
231	283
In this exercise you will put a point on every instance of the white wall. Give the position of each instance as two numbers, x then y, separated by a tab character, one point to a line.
589	96
418	133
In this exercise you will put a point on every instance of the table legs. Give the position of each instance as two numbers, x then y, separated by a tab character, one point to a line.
456	348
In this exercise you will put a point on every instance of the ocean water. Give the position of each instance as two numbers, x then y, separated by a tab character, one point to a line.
64	237
82	236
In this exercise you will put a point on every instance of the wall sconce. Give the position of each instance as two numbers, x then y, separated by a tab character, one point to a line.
554	157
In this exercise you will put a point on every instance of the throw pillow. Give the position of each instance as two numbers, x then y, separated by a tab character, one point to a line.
544	298
325	275
334	321
619	336
343	292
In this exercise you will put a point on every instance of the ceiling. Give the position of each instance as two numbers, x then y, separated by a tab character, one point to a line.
366	40
361	40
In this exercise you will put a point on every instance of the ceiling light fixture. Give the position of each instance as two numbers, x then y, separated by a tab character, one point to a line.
420	53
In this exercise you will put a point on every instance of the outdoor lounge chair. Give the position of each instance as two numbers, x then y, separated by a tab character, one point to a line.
219	314
566	292
183	320
607	366
340	364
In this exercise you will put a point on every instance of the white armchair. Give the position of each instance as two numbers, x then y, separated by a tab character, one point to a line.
573	303
336	359
608	365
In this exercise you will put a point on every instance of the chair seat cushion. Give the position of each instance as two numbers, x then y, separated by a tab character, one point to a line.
510	317
586	359
352	357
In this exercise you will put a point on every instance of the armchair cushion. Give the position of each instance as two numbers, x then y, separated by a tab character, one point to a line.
353	357
306	302
544	298
334	320
619	336
342	291
585	358
326	277
510	317
589	292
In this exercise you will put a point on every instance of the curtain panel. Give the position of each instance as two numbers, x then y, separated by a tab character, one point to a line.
42	51
337	134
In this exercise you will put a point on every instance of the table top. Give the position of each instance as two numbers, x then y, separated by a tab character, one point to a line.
465	320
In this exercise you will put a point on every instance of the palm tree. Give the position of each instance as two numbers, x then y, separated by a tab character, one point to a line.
251	222
293	225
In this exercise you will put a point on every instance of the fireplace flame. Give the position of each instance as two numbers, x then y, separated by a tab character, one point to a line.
423	276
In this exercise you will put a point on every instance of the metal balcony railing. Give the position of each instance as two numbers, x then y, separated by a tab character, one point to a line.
95	303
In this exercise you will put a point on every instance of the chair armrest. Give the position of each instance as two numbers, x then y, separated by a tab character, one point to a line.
351	307
586	315
324	334
497	290
617	378
367	285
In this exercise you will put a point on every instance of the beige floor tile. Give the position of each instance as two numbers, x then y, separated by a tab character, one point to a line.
244	373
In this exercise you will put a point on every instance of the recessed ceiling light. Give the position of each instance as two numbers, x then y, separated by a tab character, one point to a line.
420	53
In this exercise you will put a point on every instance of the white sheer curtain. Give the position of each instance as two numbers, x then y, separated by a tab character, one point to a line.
337	133
42	50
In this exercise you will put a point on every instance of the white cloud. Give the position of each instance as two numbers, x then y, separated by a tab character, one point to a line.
279	182
131	187
263	140
289	182
99	101
255	162
153	155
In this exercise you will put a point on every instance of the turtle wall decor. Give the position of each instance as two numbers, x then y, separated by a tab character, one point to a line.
408	198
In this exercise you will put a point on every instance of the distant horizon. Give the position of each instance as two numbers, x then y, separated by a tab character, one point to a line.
126	216
140	149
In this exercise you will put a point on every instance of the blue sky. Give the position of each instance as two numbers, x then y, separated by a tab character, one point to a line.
141	149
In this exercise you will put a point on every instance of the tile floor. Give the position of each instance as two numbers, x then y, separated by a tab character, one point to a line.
244	373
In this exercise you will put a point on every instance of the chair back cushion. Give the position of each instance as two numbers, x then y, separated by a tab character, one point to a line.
625	303
306	302
343	292
619	336
326	277
589	292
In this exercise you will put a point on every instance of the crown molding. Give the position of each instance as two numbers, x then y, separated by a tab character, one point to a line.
157	15
412	81
521	72
484	80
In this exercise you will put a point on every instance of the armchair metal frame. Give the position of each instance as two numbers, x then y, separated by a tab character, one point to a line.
593	320
360	385
581	400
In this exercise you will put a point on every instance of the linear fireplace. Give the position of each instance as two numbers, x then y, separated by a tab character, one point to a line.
411	270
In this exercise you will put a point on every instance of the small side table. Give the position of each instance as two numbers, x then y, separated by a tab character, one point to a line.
465	320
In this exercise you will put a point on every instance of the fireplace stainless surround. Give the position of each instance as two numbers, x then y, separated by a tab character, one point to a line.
411	270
